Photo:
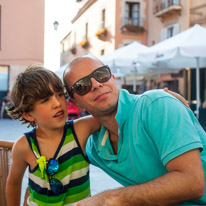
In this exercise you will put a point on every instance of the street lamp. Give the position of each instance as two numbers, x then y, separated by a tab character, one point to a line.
56	24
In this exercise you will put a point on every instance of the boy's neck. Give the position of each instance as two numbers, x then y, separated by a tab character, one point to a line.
49	133
49	141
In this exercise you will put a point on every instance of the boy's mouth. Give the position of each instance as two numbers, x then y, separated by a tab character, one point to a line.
60	113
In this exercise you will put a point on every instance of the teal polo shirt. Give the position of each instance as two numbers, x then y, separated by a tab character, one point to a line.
153	129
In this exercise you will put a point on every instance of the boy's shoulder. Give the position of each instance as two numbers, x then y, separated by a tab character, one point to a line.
21	145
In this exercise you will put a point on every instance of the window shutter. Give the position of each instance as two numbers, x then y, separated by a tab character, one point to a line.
163	34
126	14
176	29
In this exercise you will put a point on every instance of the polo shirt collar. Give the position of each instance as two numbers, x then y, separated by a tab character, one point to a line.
102	142
124	105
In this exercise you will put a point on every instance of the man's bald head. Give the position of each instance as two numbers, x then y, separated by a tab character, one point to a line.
78	62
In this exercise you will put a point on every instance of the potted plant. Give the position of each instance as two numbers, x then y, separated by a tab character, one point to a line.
84	43
101	33
73	50
132	28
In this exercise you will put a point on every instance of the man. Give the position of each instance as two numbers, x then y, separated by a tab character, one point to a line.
150	143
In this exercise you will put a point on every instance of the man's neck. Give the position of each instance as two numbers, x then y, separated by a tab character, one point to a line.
112	126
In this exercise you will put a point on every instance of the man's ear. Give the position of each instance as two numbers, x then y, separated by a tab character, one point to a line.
28	117
73	101
81	109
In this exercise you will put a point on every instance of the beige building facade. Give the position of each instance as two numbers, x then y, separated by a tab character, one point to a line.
167	18
102	26
21	37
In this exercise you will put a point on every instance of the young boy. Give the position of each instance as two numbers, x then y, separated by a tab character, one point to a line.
55	149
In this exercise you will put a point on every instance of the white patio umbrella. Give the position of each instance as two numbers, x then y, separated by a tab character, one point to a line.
186	49
124	60
60	71
124	57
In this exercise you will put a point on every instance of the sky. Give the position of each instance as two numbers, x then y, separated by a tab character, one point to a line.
62	11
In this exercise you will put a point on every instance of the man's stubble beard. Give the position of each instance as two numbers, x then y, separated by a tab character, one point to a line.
110	111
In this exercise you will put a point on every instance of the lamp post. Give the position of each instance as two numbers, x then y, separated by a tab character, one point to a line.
56	24
56	50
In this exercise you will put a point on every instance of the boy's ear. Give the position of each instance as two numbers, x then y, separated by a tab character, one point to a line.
28	117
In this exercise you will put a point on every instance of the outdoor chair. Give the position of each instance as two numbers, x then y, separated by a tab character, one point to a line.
5	160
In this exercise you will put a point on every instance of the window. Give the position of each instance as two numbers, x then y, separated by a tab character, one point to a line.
74	38
62	47
102	52
169	31
86	31
132	13
103	18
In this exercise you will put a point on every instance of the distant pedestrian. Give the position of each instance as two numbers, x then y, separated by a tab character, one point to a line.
4	105
55	149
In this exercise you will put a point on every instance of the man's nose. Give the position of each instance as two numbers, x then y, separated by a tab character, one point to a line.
95	84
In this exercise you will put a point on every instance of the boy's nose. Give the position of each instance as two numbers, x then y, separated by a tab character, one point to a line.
56	101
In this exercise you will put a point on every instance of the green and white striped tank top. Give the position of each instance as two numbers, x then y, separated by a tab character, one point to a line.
73	172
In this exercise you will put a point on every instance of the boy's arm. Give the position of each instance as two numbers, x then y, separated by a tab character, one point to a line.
84	127
26	196
16	173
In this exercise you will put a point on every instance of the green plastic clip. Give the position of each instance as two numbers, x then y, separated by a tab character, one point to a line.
42	164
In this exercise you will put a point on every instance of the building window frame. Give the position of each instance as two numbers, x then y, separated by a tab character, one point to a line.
170	31
132	13
103	19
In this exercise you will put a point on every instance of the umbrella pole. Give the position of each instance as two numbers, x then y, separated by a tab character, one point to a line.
135	80
197	87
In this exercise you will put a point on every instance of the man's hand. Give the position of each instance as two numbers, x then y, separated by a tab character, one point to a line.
182	99
102	199
96	200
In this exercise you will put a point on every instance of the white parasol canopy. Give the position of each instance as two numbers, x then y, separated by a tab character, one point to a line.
123	61
186	49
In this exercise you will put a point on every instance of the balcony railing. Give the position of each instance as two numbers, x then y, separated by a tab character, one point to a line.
161	7
139	21
130	26
198	15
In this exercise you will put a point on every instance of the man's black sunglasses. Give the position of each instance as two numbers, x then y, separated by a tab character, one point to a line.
84	85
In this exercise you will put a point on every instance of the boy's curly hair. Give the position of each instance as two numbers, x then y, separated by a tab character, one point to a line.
30	86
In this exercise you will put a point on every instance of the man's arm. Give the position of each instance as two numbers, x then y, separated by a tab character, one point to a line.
184	181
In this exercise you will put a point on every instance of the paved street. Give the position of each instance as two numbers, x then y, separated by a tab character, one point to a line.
11	130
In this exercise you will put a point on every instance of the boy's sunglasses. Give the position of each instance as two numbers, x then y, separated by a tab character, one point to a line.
84	85
52	168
